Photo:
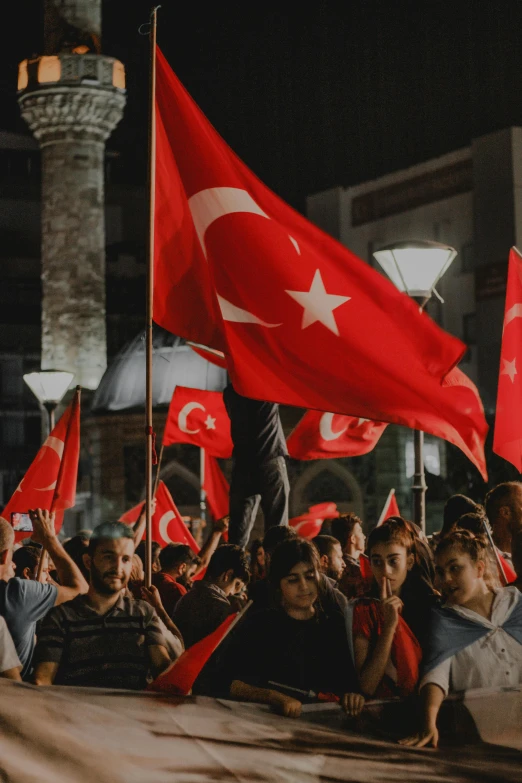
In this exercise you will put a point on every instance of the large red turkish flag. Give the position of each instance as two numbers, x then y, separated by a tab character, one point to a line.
199	417
167	526
216	488
326	435
50	481
507	439
300	318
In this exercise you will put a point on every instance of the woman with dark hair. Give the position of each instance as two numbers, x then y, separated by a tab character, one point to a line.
390	625
293	652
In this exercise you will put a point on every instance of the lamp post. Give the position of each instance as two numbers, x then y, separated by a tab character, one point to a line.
49	387
415	268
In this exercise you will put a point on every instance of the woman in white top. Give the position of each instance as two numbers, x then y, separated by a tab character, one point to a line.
476	637
10	666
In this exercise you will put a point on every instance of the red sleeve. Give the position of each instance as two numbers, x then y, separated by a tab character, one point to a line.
365	619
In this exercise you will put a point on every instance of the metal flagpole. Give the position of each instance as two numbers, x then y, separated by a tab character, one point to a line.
202	493
150	289
489	535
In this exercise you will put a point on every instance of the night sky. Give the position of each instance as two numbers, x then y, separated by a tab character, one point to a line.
311	95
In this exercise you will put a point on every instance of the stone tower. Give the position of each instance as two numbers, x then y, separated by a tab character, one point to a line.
72	98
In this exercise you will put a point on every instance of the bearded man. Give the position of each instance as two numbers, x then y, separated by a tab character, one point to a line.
102	639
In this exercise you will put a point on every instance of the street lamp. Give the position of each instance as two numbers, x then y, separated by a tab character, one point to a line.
415	268
49	386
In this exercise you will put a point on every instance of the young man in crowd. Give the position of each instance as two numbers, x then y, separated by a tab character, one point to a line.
347	529
504	511
25	561
23	602
102	639
330	557
175	561
208	604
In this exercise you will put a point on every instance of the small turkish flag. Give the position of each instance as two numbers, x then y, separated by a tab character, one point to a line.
391	509
50	481
216	488
167	526
507	439
309	525
179	678
199	417
326	435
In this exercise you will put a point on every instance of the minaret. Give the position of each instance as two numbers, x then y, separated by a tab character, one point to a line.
72	98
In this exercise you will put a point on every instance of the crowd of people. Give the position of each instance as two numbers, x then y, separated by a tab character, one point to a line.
339	617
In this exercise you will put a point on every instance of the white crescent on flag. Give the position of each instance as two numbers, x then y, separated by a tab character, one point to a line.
211	204
164	522
183	414
57	446
325	428
512	313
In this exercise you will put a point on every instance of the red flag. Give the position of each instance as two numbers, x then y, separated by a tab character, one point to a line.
326	435
167	524
199	417
366	569
309	525
216	487
179	678
508	572
301	319
210	354
507	439
390	509
50	481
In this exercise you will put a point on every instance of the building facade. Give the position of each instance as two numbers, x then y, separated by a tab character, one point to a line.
469	199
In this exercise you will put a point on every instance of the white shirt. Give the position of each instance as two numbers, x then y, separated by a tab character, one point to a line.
493	661
8	656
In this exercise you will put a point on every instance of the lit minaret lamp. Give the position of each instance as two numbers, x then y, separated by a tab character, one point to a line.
72	97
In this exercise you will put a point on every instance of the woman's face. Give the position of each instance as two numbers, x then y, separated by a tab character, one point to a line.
260	557
390	561
457	577
299	587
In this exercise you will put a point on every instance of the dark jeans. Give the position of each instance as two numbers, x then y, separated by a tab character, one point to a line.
266	484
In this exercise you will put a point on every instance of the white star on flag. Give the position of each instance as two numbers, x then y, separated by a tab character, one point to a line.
509	368
318	305
210	423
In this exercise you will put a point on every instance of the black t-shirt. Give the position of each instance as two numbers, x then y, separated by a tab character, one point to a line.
256	428
306	654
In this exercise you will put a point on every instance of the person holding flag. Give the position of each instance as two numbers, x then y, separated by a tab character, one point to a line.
389	626
103	639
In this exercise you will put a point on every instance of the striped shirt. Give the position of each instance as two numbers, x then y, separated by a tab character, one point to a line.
100	651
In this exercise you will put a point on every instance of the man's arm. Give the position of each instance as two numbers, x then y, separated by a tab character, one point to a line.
71	578
159	659
45	672
49	648
211	544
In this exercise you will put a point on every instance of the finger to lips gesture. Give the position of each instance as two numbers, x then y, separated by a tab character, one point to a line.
391	605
